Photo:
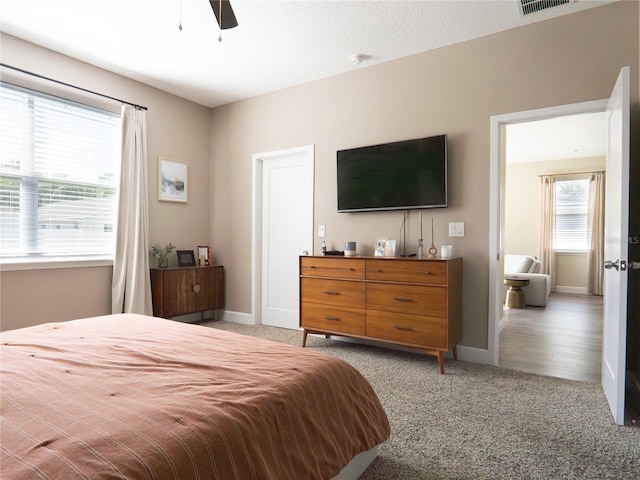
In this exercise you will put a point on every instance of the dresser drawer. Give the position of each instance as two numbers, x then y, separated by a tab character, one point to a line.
324	317
398	327
413	299
332	292
433	272
332	267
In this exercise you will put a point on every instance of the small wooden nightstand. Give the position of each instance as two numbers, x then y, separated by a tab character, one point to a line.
183	290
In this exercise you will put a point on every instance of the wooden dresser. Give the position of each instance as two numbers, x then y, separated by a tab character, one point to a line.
182	290
405	301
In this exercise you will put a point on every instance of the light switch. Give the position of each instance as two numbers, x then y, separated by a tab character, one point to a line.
322	231
456	229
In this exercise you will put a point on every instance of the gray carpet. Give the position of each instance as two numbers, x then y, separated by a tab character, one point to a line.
480	422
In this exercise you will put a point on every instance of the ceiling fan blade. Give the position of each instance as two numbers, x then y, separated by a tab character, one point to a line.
228	17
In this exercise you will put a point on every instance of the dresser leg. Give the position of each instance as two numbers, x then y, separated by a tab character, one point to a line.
304	338
441	362
455	352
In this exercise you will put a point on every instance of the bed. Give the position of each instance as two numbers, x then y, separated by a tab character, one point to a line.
138	397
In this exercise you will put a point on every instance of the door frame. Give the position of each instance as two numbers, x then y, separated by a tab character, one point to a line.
256	218
497	167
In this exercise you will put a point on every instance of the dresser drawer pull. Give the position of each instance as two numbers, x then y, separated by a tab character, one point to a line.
352	269
328	292
380	270
406	329
428	273
333	319
402	299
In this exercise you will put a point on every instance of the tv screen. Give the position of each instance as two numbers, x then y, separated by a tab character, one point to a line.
393	176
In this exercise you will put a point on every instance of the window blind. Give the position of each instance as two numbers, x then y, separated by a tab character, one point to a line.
572	233
59	175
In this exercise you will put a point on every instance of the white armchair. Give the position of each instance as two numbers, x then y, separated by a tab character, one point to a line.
526	266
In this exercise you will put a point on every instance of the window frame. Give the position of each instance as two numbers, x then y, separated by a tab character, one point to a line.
82	100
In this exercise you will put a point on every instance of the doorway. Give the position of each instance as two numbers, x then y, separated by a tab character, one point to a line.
559	335
498	174
282	230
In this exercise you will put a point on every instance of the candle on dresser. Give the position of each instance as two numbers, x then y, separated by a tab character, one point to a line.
431	230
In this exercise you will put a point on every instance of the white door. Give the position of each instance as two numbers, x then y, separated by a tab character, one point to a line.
616	249
286	231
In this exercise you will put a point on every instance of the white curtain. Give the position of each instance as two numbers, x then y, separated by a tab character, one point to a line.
547	228
595	257
131	285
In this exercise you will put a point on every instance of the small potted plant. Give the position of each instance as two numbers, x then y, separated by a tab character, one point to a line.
162	254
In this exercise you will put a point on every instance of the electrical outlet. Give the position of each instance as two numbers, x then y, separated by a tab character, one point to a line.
456	229
322	231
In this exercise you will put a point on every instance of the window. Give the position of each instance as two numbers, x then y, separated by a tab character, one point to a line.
59	173
572	233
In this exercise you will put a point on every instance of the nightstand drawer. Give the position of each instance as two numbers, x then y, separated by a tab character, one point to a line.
398	327
345	320
412	299
432	272
332	267
332	292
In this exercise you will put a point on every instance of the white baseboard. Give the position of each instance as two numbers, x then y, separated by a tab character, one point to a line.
236	317
572	290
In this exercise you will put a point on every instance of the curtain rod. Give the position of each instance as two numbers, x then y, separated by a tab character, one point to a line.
567	174
72	86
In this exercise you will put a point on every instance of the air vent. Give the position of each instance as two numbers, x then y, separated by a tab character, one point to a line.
528	7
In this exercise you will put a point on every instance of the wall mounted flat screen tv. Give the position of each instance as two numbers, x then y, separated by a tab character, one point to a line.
393	176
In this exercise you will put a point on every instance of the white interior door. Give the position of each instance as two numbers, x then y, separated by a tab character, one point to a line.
616	249
286	231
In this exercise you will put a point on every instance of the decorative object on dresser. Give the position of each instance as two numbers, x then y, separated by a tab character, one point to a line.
186	258
162	254
409	302
179	291
204	255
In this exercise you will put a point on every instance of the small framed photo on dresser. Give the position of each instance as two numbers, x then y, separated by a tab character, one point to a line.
186	258
204	255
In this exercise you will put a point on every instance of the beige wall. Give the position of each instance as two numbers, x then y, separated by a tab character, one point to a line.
522	214
453	90
572	274
176	128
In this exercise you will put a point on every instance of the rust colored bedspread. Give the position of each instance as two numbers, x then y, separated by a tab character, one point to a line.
136	397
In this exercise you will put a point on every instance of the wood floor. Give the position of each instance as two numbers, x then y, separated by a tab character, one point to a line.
563	340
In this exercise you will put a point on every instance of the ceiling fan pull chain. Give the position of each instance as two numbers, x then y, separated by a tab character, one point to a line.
180	26
220	36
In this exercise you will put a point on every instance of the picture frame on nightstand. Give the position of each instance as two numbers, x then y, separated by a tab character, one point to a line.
186	258
204	256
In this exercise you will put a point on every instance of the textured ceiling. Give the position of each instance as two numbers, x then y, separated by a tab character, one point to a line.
278	44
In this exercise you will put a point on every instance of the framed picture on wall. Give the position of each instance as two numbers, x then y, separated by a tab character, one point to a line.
173	180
